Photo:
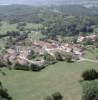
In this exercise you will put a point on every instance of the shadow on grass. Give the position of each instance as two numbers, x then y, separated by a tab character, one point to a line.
3	73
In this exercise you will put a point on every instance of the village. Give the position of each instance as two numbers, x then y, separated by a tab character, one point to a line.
34	54
48	50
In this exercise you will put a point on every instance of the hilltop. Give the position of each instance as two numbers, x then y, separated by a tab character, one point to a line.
18	13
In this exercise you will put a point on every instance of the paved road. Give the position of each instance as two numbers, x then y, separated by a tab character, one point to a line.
89	60
30	61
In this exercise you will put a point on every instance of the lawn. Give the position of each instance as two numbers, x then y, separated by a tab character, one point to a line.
12	27
7	27
2	43
62	77
36	36
33	26
91	53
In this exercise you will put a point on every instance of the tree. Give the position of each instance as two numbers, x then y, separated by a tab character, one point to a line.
90	91
4	93
57	96
59	56
89	42
21	24
0	84
68	58
90	74
49	59
54	96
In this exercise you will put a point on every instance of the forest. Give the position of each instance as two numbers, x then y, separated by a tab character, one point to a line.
57	20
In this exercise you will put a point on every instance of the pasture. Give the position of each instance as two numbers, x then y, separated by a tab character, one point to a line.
7	27
35	34
63	77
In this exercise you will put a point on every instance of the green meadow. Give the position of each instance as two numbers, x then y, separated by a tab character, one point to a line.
63	77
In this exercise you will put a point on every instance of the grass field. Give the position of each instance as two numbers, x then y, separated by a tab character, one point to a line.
91	53
33	26
2	43
36	36
12	27
7	27
62	77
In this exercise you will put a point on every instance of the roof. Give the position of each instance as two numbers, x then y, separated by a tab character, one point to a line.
21	61
11	51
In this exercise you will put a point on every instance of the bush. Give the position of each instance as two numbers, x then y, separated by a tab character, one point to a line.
49	59
68	58
22	24
57	96
4	93
90	91
35	67
59	56
54	96
88	42
48	98
22	67
90	74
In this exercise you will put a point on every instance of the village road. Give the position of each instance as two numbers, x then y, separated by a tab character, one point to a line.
89	60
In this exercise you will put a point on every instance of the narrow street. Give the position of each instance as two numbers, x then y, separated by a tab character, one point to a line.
31	61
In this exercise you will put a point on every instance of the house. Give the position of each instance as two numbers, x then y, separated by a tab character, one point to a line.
12	59
92	37
39	50
80	39
68	50
21	61
11	52
24	51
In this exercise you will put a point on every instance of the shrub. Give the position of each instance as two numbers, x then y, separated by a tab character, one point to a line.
37	67
48	98
68	58
59	56
54	96
90	91
57	96
88	42
22	67
4	93
22	24
90	74
49	59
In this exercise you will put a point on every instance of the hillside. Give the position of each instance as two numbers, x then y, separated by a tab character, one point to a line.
17	13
